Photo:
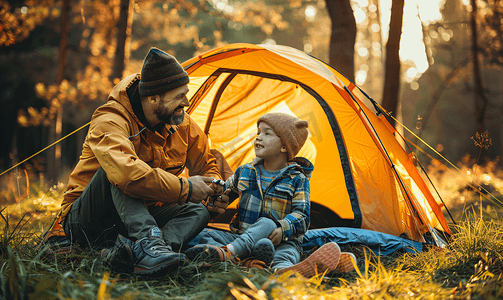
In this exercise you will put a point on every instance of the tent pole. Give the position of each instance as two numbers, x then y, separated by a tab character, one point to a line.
215	102
436	191
407	196
380	111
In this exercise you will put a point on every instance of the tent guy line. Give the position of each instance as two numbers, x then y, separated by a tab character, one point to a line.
30	157
381	110
414	212
477	187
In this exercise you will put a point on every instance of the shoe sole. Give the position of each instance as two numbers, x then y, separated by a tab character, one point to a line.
253	263
346	263
196	252
122	253
125	248
205	252
324	259
264	252
160	269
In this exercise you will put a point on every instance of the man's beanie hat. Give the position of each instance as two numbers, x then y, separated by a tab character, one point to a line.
291	130
160	73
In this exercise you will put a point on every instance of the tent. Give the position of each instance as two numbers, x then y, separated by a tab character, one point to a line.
363	177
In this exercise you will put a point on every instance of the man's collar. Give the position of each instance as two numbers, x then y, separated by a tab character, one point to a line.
135	99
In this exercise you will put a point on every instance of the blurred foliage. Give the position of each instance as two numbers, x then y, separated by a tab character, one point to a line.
16	23
439	105
29	33
491	16
183	28
476	186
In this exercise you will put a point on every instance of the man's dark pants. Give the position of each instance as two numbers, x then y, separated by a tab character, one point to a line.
103	211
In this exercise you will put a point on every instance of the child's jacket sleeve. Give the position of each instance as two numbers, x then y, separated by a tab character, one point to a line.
231	184
297	222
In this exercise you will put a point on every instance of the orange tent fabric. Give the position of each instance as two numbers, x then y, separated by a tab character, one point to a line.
362	177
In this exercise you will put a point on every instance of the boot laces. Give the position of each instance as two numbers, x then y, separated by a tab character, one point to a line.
156	245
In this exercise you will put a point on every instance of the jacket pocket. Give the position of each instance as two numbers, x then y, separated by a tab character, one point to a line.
285	188
247	184
249	188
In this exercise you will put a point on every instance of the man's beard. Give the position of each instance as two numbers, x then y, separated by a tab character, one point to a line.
168	118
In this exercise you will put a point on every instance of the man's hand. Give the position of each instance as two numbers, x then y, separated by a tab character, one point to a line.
200	188
218	186
276	236
220	204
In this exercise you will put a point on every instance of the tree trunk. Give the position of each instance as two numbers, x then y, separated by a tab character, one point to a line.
342	39
481	100
63	46
123	40
378	19
374	80
54	155
392	68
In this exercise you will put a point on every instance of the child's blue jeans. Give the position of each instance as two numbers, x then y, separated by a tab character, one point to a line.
287	252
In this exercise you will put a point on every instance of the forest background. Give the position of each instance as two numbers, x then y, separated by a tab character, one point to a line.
436	65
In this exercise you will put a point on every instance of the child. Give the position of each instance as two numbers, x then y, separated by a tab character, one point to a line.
274	207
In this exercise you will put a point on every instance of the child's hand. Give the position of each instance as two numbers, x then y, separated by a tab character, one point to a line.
276	236
218	186
219	204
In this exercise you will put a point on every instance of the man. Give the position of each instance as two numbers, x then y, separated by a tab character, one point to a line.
125	186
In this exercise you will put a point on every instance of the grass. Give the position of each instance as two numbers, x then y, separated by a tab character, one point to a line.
471	267
474	186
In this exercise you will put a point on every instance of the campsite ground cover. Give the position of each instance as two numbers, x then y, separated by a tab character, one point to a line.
471	267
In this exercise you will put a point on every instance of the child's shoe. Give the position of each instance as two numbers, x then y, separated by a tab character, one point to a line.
326	258
210	251
253	263
346	263
264	251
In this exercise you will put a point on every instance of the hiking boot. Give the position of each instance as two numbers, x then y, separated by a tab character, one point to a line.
120	256
326	258
346	263
264	251
153	256
210	252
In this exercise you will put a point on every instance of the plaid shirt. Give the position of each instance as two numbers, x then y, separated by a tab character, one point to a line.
286	199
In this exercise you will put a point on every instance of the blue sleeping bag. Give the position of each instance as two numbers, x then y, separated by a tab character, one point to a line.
380	243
